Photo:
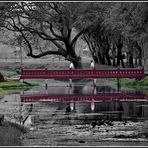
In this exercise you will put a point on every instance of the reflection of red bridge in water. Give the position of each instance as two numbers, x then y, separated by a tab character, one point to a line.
83	97
83	73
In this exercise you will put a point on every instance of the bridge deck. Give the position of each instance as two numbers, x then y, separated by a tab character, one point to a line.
83	73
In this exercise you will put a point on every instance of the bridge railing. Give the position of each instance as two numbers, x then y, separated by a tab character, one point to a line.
83	73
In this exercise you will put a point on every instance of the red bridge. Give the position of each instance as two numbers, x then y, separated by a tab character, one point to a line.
83	97
83	73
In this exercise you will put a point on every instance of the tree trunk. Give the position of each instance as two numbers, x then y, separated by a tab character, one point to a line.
130	60
77	63
114	55
118	60
140	59
95	59
139	53
76	60
119	56
119	52
100	59
136	61
122	63
94	56
71	54
114	61
108	59
130	53
103	59
131	64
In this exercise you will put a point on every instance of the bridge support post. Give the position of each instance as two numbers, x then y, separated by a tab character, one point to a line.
46	83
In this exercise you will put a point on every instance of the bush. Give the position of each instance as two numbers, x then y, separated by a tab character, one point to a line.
9	74
134	82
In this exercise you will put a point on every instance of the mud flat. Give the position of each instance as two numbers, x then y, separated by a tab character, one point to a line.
52	127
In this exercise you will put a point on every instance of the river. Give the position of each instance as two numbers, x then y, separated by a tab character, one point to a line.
77	123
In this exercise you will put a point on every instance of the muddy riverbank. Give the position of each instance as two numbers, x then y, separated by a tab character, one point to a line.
54	127
11	134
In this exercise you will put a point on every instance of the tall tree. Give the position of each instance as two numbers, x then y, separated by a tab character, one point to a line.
98	37
131	20
41	22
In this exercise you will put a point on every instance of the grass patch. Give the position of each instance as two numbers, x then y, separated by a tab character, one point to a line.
15	84
1	92
36	81
135	82
9	74
130	82
138	85
126	83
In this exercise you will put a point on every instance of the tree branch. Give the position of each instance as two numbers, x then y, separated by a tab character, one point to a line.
76	37
41	34
53	32
55	8
26	40
59	52
46	53
69	32
47	37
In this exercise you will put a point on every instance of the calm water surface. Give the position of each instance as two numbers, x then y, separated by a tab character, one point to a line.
46	115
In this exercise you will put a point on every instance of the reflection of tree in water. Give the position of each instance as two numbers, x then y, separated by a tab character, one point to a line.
87	109
120	109
74	90
104	89
107	111
139	112
78	90
106	116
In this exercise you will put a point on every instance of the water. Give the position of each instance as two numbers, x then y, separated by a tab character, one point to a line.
74	123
